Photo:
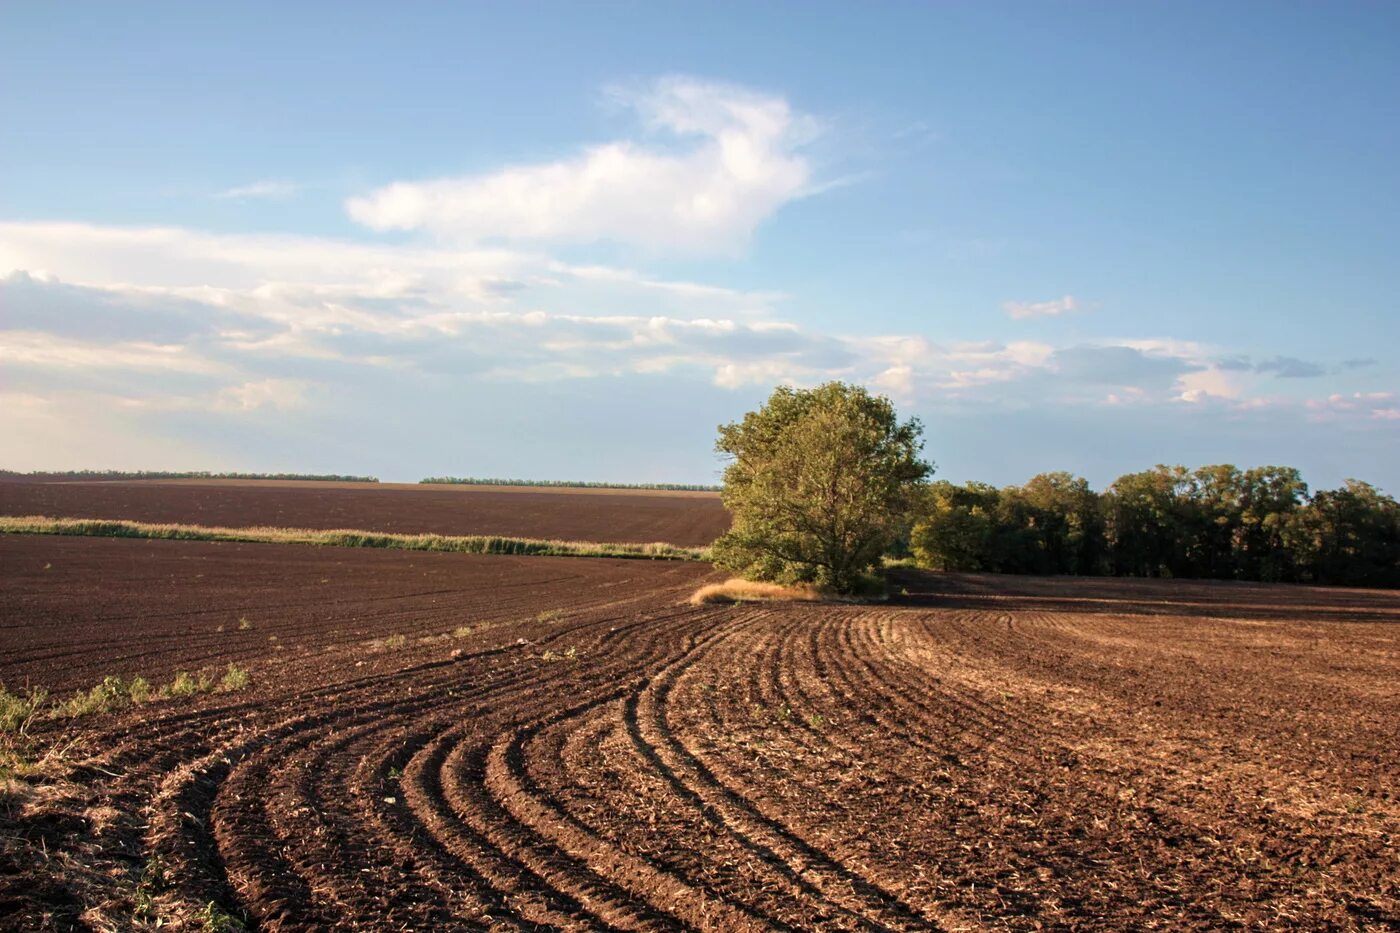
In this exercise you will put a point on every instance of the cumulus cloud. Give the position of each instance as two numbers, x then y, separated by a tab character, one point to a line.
1053	308
276	328
728	159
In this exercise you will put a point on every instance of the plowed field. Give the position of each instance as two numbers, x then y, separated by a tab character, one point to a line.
689	519
979	754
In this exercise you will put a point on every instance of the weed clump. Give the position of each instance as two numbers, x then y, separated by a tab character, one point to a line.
235	678
18	711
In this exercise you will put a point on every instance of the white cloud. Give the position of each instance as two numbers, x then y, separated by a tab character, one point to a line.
259	190
278	394
1053	308
1374	405
1200	384
171	320
735	159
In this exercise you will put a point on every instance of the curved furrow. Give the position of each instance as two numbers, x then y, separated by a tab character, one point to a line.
811	871
664	874
458	774
182	805
1182	846
832	768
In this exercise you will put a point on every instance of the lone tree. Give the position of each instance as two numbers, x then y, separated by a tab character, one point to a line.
817	486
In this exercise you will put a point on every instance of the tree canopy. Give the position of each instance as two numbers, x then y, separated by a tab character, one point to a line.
818	485
1216	522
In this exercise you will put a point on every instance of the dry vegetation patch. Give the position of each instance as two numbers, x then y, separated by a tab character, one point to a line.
736	590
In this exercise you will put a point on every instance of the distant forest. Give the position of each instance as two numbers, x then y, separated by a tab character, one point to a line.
574	484
1215	522
163	474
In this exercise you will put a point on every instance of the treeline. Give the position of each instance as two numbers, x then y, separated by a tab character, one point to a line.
1216	522
574	484
187	474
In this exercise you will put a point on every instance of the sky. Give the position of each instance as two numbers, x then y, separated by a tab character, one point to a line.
566	241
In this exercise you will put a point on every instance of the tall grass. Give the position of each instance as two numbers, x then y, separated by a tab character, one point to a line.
565	483
464	544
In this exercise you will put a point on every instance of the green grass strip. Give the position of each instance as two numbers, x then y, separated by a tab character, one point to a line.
340	537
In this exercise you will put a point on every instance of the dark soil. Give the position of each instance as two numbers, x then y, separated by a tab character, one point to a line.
982	753
689	519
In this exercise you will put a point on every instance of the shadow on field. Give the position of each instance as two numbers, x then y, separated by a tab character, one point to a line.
1118	596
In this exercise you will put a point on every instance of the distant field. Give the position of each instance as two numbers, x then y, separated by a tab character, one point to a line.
691	519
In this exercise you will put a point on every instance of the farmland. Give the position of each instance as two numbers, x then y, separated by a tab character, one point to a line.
579	514
441	741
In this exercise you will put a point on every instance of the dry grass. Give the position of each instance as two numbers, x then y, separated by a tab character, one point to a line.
344	537
736	590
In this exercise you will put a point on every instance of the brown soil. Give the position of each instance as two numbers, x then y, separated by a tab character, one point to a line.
982	754
689	519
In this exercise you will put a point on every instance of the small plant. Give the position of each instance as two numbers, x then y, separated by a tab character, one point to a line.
187	684
550	615
568	654
213	919
18	711
390	641
816	720
111	694
244	624
462	631
139	690
154	880
235	678
395	774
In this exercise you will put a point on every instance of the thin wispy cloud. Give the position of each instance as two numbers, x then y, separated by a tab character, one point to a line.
267	190
1019	310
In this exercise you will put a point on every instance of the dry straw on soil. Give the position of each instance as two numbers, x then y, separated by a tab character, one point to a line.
343	537
736	590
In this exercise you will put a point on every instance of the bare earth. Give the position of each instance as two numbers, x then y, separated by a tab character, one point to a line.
689	519
564	743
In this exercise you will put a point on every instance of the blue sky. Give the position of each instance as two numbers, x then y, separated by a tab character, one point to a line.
564	242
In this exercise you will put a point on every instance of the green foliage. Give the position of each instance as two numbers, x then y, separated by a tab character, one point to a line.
213	919
1214	522
187	684
18	710
564	483
235	678
112	694
1349	536
155	880
819	483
